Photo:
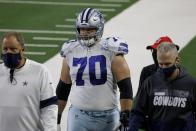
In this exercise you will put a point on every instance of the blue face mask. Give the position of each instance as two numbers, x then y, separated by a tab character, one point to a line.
167	71
11	60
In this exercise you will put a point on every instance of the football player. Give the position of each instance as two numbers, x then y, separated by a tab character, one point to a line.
92	69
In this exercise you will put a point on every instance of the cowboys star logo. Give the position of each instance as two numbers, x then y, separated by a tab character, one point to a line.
25	83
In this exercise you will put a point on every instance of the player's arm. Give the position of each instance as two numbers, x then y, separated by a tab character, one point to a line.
121	73
63	89
120	70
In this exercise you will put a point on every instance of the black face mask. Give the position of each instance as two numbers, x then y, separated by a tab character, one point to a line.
168	71
11	60
154	56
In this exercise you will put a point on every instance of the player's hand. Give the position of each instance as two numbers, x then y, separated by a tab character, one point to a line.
124	118
58	127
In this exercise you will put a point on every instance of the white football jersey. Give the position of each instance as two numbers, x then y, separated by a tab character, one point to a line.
93	85
20	100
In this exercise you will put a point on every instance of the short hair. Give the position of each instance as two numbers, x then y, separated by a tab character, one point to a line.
17	35
165	48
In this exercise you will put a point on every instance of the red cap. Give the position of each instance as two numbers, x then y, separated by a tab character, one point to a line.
159	41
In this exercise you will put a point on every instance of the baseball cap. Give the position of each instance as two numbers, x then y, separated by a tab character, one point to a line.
162	39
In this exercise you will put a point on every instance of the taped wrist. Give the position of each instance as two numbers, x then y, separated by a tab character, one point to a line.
125	88
63	90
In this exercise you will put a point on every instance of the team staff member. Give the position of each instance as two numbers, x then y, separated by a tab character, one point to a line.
151	69
27	97
168	97
91	71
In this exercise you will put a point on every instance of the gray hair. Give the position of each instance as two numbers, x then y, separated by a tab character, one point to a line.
164	48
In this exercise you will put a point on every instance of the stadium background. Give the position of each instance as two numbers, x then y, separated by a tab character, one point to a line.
46	24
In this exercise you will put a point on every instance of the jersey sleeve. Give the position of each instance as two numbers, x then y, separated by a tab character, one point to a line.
116	45
67	47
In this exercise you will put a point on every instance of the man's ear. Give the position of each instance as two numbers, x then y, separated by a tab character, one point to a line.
23	48
178	61
22	51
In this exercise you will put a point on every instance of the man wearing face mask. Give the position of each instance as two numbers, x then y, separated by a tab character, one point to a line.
168	97
151	69
27	96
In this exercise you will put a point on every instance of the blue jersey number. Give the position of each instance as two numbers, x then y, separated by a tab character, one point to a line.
92	69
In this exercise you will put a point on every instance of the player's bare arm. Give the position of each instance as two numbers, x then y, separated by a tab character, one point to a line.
121	72
63	88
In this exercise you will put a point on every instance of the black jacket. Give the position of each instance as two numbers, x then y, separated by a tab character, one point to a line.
145	73
169	104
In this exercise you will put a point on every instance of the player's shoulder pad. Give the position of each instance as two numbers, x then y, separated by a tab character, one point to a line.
67	47
116	45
